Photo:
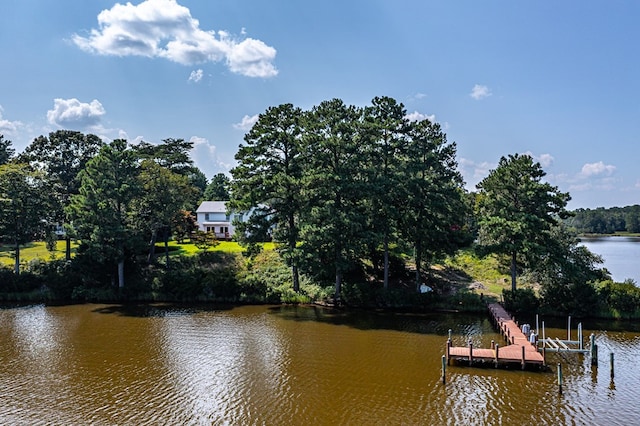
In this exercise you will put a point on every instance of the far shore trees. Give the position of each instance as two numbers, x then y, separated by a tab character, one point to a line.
517	210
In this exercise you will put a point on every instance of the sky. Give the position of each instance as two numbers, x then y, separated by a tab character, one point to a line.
559	81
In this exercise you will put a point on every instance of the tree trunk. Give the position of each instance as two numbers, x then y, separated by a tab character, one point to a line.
166	246
296	278
152	246
17	264
67	251
513	272
418	259
386	261
121	274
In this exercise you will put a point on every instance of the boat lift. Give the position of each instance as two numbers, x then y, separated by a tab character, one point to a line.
548	344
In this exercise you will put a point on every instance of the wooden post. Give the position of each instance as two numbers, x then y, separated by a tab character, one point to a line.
444	369
493	344
593	348
560	378
544	355
543	335
580	335
497	349
470	352
611	363
537	326
448	350
569	329
523	359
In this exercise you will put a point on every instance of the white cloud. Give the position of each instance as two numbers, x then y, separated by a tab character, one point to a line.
545	160
480	92
246	123
473	172
8	127
205	157
71	113
166	29
597	169
418	116
196	75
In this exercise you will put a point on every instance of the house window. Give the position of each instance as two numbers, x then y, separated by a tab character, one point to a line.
206	216
227	218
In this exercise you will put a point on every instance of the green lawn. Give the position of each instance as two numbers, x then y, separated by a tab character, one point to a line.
38	250
34	250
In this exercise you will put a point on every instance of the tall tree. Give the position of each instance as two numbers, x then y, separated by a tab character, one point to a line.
62	156
218	188
384	136
6	151
175	155
24	204
267	180
163	194
335	221
101	211
433	211
517	210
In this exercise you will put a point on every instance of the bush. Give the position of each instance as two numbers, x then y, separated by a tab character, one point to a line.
624	298
523	300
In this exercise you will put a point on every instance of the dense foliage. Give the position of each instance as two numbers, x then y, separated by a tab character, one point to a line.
338	186
605	221
360	202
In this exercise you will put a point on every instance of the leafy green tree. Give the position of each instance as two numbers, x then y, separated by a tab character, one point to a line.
267	182
334	228
175	155
184	224
172	154
102	209
434	207
163	194
517	210
198	182
384	131
567	273
24	204
218	188
6	151
61	157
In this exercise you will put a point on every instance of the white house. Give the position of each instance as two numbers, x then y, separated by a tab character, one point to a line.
212	216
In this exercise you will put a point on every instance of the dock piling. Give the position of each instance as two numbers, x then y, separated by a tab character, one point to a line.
560	378
611	364
444	369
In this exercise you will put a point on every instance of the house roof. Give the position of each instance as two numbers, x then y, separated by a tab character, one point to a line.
212	207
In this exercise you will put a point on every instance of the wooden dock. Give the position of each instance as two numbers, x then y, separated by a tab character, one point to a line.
517	350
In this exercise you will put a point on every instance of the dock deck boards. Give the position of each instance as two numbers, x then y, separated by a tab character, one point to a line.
519	350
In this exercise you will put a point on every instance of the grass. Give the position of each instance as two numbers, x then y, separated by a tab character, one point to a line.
34	250
484	270
38	250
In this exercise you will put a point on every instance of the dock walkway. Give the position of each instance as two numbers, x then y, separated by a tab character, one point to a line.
517	350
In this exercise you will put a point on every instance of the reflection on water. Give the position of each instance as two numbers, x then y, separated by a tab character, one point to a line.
288	365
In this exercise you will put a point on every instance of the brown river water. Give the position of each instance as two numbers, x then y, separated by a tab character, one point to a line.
272	365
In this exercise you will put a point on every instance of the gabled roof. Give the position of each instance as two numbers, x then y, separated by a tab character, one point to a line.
212	207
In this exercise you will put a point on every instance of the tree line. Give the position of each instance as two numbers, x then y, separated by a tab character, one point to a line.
347	193
605	220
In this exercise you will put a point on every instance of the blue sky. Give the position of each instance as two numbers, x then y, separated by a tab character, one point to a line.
557	80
